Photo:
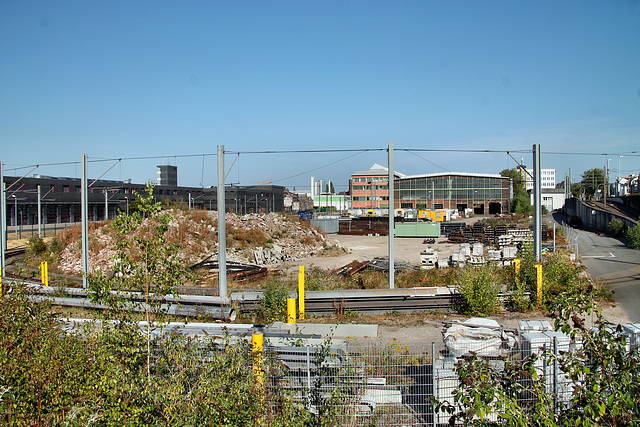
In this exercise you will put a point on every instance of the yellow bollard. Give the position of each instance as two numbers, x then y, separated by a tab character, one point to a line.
516	262
42	272
301	292
539	282
257	341
46	273
291	310
1	285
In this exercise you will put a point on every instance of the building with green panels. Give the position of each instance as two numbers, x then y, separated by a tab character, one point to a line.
484	193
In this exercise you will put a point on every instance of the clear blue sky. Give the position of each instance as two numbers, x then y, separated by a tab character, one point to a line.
123	79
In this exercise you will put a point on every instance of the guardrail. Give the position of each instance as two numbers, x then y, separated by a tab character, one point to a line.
182	305
369	301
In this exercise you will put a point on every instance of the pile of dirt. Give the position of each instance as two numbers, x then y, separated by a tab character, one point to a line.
264	239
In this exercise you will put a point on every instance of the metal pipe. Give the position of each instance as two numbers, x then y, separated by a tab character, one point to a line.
78	292
223	313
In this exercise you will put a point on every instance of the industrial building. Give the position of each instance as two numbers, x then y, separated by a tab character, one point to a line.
484	193
370	188
60	198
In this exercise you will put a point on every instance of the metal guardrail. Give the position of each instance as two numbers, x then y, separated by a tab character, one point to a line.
183	305
370	301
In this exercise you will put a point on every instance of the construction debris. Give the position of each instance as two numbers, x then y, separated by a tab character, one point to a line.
263	239
351	268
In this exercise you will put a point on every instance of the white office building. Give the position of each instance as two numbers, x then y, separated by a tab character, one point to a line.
547	178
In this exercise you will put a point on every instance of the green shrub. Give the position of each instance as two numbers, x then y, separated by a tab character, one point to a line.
56	246
273	305
633	237
478	289
37	246
616	227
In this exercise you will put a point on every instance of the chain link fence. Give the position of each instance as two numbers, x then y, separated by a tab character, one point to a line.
398	385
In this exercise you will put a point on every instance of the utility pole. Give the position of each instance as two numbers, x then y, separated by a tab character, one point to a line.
222	229
85	220
39	212
391	219
3	221
537	208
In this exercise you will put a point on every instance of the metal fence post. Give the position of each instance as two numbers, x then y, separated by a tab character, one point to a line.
308	377
555	375
433	382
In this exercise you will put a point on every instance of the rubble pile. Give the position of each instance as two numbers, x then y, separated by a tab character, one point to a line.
292	240
196	235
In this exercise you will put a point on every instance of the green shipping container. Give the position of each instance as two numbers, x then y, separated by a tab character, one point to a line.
417	229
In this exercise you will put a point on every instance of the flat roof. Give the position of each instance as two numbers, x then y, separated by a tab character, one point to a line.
468	174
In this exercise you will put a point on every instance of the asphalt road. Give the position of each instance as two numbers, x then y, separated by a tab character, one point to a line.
609	260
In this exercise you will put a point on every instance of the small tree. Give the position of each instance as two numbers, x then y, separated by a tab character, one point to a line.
146	270
592	180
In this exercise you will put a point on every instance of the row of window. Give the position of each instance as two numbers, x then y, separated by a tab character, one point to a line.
367	198
452	194
446	183
370	179
370	187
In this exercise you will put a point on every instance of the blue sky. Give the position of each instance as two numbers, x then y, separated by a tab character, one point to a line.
167	79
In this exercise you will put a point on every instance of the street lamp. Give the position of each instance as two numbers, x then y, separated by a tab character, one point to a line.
619	171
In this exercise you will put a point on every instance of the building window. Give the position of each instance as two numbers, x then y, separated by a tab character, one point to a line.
66	189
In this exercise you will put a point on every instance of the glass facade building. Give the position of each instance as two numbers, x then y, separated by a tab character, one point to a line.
484	193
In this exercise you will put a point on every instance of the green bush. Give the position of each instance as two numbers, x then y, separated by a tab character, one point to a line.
616	227
478	289
100	376
633	236
603	373
273	305
37	246
56	246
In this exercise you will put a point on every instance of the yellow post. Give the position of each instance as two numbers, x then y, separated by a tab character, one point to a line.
301	292
516	262
46	273
539	282
291	310
257	341
42	272
1	285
